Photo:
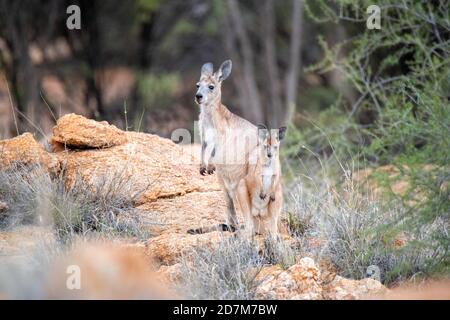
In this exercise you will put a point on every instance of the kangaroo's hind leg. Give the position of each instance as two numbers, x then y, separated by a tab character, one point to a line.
245	204
273	214
231	211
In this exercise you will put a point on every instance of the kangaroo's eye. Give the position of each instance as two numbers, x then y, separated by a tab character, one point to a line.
197	85
211	87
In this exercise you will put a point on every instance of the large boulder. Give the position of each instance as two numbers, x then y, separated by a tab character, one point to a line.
116	273
167	248
172	196
75	131
25	150
155	167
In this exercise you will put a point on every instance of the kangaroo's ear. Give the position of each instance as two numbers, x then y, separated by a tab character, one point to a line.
281	133
262	132
224	71
207	69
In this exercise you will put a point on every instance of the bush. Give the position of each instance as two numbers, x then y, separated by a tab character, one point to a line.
157	91
227	271
356	231
34	197
402	74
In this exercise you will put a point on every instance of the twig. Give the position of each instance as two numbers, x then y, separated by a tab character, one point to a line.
12	106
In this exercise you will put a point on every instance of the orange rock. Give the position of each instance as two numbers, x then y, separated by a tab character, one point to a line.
25	150
155	167
300	282
106	272
169	247
75	131
303	281
347	289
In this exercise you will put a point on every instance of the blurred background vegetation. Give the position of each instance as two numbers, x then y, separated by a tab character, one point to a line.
353	98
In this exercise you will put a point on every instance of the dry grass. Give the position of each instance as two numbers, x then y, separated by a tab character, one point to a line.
356	229
35	197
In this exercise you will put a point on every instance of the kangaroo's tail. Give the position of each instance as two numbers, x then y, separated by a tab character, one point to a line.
219	227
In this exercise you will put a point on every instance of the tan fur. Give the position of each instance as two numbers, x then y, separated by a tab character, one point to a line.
262	204
233	139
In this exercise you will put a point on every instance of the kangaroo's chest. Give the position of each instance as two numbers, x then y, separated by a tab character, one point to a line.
207	130
267	177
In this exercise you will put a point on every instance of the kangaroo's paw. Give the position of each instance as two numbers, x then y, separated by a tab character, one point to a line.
272	197
262	196
202	170
211	168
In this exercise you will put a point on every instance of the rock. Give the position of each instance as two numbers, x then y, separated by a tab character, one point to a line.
299	282
75	131
167	248
170	274
181	213
303	281
107	272
172	198
25	150
346	289
153	166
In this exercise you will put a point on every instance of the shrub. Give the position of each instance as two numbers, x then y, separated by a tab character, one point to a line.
34	197
401	73
357	230
227	271
157	91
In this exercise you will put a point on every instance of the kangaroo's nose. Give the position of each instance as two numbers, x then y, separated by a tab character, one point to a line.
198	96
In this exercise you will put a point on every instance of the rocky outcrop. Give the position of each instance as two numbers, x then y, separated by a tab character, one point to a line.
303	281
74	131
172	198
25	150
115	273
155	167
347	289
300	281
166	248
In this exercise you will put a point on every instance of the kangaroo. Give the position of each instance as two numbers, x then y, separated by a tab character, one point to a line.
260	193
227	139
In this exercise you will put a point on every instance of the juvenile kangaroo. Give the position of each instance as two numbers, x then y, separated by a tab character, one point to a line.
260	193
227	139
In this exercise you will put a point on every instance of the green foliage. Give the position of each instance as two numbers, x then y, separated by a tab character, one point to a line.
158	90
331	133
402	73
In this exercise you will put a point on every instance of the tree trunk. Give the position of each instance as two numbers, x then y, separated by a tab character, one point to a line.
21	73
238	76
294	60
252	111
273	109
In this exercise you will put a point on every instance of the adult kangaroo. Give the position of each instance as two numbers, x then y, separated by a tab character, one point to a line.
227	140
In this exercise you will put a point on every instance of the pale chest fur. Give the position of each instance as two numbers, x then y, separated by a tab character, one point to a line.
263	179
207	131
268	174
